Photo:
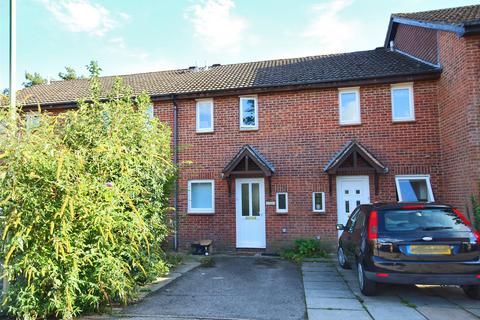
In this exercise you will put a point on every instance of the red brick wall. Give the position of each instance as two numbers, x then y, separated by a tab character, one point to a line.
299	133
417	41
459	116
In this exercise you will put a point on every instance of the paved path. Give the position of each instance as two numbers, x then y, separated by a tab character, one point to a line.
333	293
236	288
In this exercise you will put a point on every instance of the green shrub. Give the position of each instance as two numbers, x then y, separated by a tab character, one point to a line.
305	248
84	197
173	260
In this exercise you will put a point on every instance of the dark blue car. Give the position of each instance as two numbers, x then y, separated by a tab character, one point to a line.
411	243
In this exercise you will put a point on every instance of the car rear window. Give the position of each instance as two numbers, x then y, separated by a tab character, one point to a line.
420	220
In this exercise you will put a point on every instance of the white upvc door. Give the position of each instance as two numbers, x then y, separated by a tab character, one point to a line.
250	212
351	192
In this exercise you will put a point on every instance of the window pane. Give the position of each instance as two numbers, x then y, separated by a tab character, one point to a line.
255	199
3	126
150	112
282	201
248	112
348	107
318	201
430	220
204	115
201	195
245	200
401	104
33	121
413	189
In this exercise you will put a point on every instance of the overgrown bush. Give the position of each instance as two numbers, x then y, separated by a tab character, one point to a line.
305	248
84	197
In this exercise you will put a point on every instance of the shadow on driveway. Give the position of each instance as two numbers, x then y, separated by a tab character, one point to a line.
236	288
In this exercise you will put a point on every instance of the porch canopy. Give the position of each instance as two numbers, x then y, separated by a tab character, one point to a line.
354	159
248	162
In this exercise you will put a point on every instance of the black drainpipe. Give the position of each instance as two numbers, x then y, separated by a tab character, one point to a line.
175	161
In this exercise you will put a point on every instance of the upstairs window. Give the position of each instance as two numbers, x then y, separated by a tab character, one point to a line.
402	102
349	105
414	188
248	113
205	115
201	196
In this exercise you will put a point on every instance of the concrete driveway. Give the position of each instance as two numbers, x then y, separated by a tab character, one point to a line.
333	293
236	288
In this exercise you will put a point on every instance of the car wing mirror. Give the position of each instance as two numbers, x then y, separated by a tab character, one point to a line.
340	227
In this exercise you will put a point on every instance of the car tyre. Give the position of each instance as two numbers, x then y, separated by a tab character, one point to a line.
342	259
472	291
367	286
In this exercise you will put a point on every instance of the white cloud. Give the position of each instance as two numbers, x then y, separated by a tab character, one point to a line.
216	25
140	60
84	16
119	42
329	29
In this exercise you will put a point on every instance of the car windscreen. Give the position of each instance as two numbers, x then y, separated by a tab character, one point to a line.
435	219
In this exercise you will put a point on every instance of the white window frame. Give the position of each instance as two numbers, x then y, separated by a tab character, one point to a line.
248	127
408	86
197	116
425	177
200	210
286	202
323	202
358	119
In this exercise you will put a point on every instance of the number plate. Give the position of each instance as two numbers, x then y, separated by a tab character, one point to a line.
430	249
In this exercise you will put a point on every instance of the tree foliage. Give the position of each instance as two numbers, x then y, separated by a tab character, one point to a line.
84	198
33	79
69	74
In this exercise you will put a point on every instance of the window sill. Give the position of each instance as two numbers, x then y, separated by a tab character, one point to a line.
318	212
248	129
203	132
350	124
200	213
281	213
404	121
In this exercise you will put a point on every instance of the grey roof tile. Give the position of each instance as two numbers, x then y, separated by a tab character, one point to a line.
361	65
458	16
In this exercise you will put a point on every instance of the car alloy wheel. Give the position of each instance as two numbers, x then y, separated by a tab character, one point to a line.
361	276
341	257
367	287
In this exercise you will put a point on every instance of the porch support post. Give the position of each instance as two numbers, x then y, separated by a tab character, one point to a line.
330	178
229	183
269	185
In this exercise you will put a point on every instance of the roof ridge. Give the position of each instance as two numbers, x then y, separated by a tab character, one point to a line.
222	65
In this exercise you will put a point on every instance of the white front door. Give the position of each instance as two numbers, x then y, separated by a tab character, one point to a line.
351	192
250	204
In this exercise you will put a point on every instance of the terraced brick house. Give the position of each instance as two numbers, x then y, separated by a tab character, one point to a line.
285	149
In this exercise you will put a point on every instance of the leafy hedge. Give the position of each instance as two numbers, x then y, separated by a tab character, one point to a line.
84	197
